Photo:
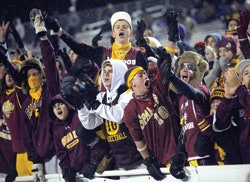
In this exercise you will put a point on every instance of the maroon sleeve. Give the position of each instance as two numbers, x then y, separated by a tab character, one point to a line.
244	96
51	72
225	111
132	121
245	47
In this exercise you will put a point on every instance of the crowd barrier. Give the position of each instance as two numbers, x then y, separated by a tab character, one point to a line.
228	173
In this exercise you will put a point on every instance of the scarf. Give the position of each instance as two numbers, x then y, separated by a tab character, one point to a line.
120	52
10	91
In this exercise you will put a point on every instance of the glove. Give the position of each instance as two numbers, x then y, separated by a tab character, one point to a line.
91	91
82	65
178	161
173	29
89	169
11	176
97	38
38	174
140	41
69	175
65	57
73	92
243	24
165	63
203	145
153	167
53	24
223	61
37	21
3	57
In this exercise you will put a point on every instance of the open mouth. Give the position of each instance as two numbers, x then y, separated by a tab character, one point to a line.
147	83
121	34
59	112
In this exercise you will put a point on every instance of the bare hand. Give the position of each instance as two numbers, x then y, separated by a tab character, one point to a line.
3	30
232	82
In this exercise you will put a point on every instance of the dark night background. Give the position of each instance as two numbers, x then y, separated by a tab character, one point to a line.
21	8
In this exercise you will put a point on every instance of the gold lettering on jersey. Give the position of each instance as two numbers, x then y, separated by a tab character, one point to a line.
163	112
112	128
158	119
156	100
70	140
145	117
73	143
117	137
8	108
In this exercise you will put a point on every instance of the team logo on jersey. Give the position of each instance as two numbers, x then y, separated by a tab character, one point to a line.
70	140
7	108
33	108
112	130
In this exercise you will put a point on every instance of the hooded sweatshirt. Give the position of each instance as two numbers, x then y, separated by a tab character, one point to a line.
111	110
71	151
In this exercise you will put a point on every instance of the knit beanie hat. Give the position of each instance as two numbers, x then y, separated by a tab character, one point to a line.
230	43
199	47
120	15
215	36
242	65
217	93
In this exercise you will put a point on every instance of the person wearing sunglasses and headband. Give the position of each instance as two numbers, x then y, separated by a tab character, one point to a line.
192	97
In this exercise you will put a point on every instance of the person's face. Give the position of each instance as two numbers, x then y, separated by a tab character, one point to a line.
187	72
121	32
232	25
9	81
34	78
209	55
225	52
61	111
211	42
72	56
214	104
140	83
33	72
246	77
151	64
107	76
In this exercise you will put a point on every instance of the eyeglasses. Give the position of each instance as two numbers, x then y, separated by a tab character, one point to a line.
188	66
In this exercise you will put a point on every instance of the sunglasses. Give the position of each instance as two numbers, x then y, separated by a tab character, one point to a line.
188	66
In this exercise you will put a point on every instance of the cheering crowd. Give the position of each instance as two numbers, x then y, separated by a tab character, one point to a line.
126	105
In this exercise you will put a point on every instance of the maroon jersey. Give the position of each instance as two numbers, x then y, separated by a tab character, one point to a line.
153	120
130	58
12	112
7	156
38	133
190	114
